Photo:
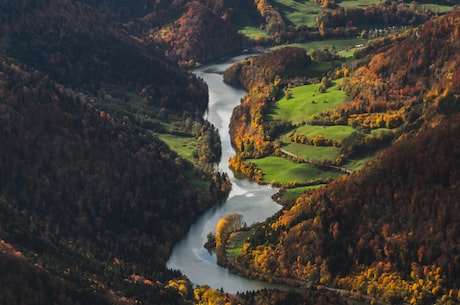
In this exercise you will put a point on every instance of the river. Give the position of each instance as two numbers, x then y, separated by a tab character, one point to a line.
247	198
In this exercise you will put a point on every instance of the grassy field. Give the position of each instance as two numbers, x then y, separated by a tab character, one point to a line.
236	243
335	132
298	12
292	193
281	170
356	3
182	145
434	7
313	153
248	26
338	44
356	164
344	47
306	101
380	131
349	53
437	8
253	32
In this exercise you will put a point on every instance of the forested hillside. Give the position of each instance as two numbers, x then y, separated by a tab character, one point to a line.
189	32
91	202
261	77
197	36
81	48
409	76
388	231
380	230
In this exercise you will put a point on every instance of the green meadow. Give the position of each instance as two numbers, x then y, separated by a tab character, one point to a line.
184	146
248	26
345	48
296	13
306	101
236	243
356	3
291	194
281	170
312	153
252	32
434	7
437	8
335	132
356	164
338	44
380	131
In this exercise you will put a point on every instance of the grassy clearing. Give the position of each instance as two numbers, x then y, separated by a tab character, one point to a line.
349	53
306	101
313	153
182	145
356	3
125	102
335	132
253	32
437	8
297	13
236	243
380	131
131	105
356	164
344	47
194	182
248	26
338	44
434	7
281	170
293	193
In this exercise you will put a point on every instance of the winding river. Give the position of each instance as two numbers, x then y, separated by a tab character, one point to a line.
248	198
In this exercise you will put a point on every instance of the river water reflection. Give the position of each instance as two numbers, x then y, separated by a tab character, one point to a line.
251	200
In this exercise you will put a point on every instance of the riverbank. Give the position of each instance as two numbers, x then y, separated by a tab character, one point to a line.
236	241
246	197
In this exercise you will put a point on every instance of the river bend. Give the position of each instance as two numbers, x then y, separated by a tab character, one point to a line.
248	198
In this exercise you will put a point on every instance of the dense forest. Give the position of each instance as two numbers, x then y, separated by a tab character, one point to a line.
85	193
80	48
380	231
191	40
388	231
92	201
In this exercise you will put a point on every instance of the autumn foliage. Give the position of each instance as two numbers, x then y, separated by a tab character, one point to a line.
419	71
399	211
261	76
81	48
192	38
84	188
92	199
387	231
